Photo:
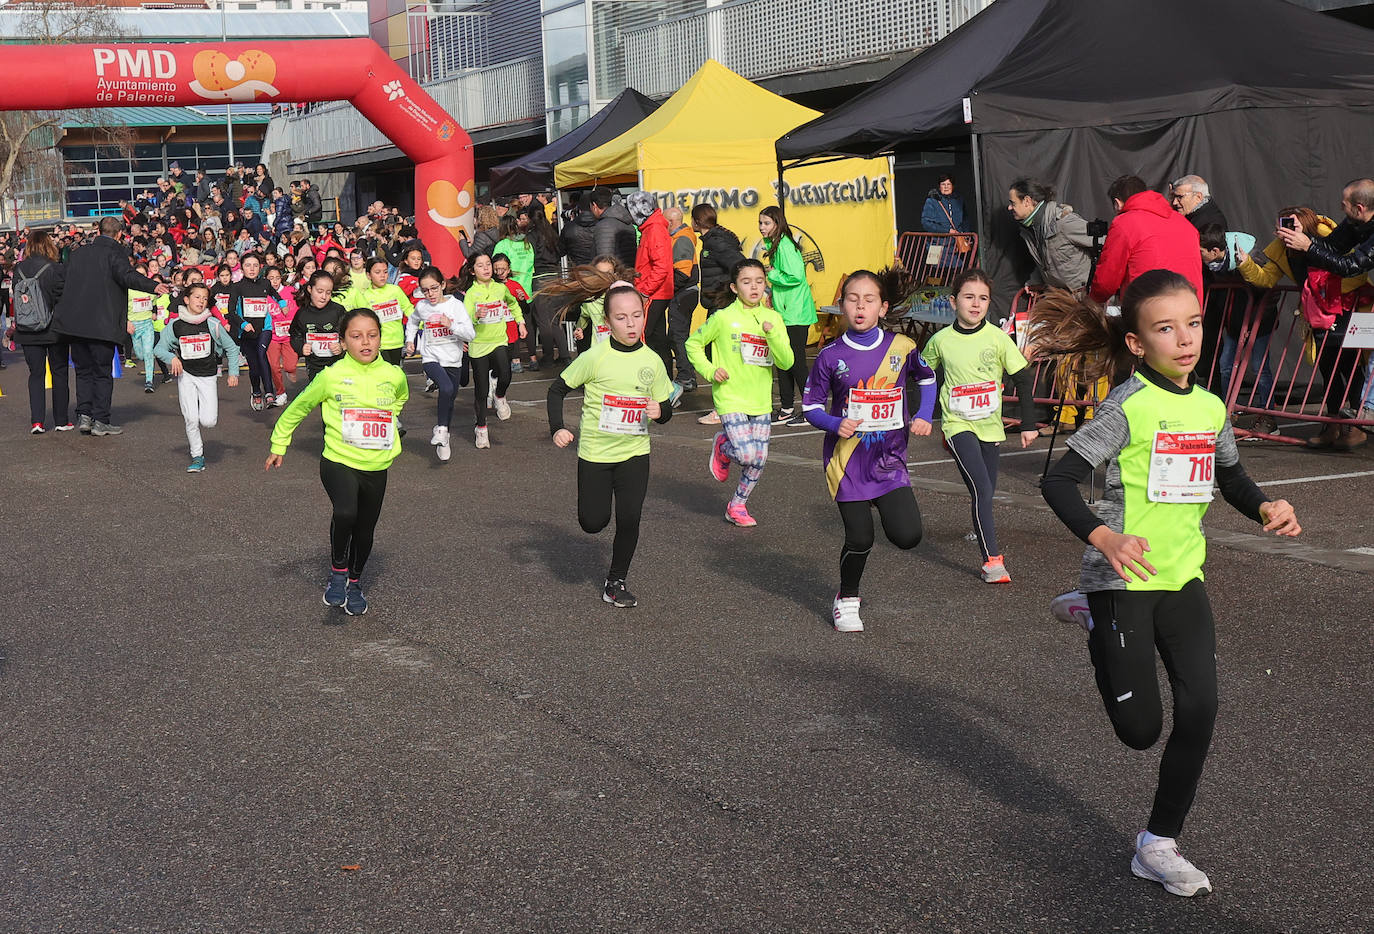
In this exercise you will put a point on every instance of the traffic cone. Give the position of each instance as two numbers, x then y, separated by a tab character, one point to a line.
117	369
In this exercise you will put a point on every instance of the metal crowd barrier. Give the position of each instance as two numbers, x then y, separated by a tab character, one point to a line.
934	261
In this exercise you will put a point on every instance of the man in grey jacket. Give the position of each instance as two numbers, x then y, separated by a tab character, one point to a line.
1055	236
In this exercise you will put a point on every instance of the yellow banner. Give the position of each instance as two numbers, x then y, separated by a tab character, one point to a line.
841	212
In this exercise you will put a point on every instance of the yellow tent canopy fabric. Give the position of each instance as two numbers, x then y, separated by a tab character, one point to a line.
712	142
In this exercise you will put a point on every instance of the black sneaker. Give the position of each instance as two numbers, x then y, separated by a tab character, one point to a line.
782	416
533	365
148	388
615	594
84	423
797	421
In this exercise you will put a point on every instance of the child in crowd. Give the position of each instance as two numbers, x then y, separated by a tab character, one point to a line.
314	330
488	303
500	270
747	339
189	346
446	326
281	359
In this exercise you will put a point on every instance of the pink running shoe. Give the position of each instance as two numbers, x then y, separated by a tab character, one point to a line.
737	514
720	464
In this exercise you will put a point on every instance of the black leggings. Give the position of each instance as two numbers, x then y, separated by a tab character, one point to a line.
1128	626
255	354
792	381
626	483
357	497
394	355
977	463
499	360
55	356
901	521
656	330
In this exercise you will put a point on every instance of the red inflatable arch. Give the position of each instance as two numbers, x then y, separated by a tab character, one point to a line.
61	77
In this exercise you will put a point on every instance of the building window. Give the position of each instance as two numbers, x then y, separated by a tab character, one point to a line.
565	67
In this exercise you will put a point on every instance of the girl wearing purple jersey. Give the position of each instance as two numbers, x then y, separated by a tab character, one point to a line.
856	394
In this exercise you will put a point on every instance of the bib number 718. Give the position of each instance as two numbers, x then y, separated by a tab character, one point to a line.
1199	470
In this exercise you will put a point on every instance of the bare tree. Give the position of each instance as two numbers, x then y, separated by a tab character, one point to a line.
28	137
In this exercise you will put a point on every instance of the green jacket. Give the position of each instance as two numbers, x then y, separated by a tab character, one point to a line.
731	332
791	294
360	391
521	256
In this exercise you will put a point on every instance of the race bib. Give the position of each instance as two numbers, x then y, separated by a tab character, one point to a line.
491	312
257	307
143	306
388	311
195	346
755	350
975	401
281	328
369	429
222	302
437	333
1181	466
603	331
879	409
321	345
624	415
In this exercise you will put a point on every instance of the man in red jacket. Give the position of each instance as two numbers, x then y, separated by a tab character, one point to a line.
654	262
1146	234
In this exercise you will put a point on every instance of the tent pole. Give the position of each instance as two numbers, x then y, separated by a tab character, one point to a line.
781	198
978	185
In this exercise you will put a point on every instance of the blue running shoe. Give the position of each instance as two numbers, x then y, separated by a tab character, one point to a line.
355	603
334	594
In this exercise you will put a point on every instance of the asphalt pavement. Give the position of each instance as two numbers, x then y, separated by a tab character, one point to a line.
192	742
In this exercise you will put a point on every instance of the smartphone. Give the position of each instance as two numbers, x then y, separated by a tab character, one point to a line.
1288	222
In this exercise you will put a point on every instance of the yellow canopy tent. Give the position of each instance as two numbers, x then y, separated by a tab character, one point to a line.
712	142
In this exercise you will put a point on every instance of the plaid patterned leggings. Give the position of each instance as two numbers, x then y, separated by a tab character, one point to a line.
746	443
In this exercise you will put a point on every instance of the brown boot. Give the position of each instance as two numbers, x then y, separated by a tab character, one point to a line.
1351	438
1327	438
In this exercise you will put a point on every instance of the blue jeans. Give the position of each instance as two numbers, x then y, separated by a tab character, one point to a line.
144	338
448	379
1259	357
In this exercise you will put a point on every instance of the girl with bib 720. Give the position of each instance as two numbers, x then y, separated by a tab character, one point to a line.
1165	442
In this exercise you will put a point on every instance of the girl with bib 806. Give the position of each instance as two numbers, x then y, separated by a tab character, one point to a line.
1165	442
359	397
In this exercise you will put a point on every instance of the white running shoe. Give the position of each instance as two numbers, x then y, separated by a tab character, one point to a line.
502	409
491	398
281	400
434	438
481	437
846	613
444	449
1161	862
1072	607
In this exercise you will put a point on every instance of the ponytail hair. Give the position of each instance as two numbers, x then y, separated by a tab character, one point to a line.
895	284
1061	323
585	283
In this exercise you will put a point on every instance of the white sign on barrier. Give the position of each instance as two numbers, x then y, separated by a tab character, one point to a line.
1359	334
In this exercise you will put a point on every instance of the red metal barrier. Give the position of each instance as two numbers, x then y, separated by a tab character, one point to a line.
936	259
1311	372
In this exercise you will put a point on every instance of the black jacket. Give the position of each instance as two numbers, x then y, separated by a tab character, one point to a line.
94	304
720	251
579	239
51	281
545	258
314	207
484	241
1347	251
614	235
1207	213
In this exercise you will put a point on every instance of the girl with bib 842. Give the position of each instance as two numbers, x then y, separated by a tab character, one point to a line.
1165	443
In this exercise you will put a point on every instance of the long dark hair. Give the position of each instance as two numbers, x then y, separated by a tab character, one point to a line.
1061	323
585	283
781	229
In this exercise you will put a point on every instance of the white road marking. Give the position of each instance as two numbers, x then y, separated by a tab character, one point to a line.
1330	476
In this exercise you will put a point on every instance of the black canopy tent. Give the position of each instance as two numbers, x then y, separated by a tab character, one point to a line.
534	172
1270	102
